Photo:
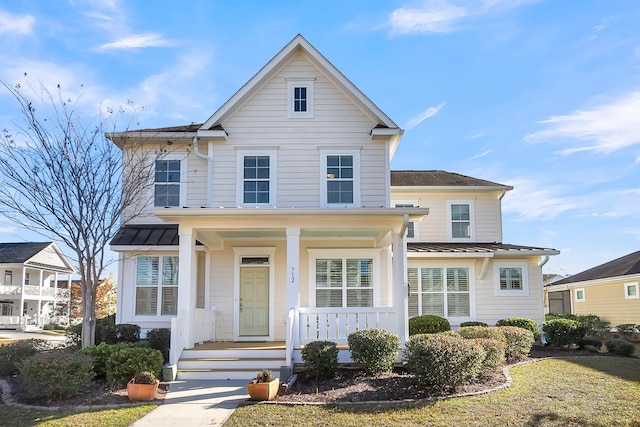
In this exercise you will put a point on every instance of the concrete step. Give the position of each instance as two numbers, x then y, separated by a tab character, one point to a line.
220	374
231	363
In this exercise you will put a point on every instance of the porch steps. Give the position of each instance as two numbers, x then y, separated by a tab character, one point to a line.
230	363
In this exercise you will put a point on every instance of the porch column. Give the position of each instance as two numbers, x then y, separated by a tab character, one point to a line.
293	286
400	297
23	314
187	273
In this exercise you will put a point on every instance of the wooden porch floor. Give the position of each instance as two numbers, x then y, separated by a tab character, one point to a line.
246	345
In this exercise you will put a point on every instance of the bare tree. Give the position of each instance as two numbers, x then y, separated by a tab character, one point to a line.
66	181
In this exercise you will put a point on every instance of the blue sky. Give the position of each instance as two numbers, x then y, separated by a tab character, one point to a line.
540	95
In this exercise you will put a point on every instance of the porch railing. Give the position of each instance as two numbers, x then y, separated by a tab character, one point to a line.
177	338
335	324
204	324
9	290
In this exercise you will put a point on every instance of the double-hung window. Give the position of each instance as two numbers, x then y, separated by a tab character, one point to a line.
300	98
340	179
440	291
256	178
511	278
461	220
156	285
167	183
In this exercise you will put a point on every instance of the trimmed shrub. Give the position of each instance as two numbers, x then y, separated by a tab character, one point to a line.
56	373
519	342
553	316
626	330
492	332
590	322
376	349
495	354
465	324
160	339
428	324
620	347
126	361
590	342
442	361
101	353
127	333
563	332
17	351
321	359
522	322
105	332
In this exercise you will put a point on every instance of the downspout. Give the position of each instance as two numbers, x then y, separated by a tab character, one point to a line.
543	261
209	158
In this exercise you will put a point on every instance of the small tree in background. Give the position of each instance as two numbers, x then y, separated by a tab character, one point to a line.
64	180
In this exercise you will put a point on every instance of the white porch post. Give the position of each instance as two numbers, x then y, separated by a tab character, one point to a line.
23	314
400	297
293	283
187	271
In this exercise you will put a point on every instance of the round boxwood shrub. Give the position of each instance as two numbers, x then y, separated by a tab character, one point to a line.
441	360
492	332
375	349
592	342
57	373
101	353
620	347
321	359
563	332
428	324
126	361
17	351
474	323
160	339
519	342
522	322
127	333
495	354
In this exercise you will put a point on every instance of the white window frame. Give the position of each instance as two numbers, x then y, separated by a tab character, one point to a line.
359	253
416	224
472	227
182	157
497	266
292	83
575	295
627	286
324	153
159	286
273	162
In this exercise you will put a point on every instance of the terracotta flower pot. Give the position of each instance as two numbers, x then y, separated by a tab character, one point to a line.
263	391
142	392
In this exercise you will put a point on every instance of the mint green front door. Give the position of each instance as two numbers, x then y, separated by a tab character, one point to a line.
254	301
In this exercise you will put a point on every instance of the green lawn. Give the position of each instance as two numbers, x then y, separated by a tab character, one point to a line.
15	417
597	392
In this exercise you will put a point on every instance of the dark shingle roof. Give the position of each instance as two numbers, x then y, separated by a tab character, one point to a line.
428	247
623	266
184	128
437	178
18	253
147	235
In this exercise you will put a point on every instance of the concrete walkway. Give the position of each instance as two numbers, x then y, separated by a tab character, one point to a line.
197	403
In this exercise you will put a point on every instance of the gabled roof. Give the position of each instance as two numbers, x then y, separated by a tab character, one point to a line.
296	45
477	248
24	252
623	266
439	178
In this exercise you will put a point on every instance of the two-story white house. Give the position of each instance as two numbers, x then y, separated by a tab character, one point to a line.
278	222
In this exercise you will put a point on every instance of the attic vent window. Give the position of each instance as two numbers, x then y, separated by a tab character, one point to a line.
300	98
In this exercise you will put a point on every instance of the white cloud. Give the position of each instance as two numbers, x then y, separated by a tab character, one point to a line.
483	154
137	41
606	128
442	16
419	118
16	24
533	200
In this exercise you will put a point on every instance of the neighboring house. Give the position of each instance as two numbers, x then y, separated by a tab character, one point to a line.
29	276
279	220
609	290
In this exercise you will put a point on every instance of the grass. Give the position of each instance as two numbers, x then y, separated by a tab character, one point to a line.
586	391
16	417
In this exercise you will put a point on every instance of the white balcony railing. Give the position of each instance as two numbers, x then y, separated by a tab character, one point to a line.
9	290
335	324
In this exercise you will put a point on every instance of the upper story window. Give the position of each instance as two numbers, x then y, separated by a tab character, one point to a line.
300	97
8	277
412	227
27	278
167	183
461	220
511	278
256	178
340	179
631	290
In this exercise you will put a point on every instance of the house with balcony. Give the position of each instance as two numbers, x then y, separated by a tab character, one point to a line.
30	290
278	221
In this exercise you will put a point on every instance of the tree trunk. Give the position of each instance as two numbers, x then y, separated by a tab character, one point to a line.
88	315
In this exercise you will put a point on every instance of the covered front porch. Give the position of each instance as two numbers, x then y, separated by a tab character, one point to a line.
326	273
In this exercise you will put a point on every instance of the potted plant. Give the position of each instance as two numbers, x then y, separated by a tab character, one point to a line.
264	386
142	387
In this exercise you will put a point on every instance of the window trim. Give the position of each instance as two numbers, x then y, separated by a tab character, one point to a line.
524	292
292	83
472	228
575	295
273	162
324	153
182	157
626	290
159	286
358	253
